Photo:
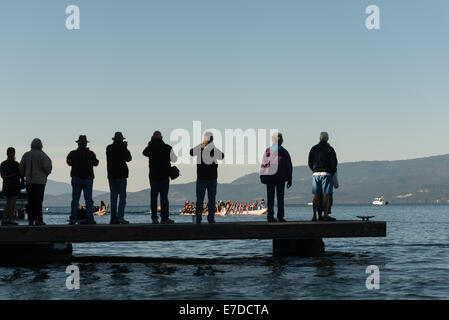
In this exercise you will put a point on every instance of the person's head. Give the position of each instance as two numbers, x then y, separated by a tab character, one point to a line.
36	144
208	137
324	136
82	141
157	135
118	136
11	153
277	138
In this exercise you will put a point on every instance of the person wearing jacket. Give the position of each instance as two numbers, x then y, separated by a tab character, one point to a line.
35	166
276	170
159	156
323	162
10	173
82	161
117	155
207	172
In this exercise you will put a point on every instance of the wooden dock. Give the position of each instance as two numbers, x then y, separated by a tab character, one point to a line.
190	231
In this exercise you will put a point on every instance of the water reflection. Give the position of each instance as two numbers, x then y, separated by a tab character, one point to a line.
325	268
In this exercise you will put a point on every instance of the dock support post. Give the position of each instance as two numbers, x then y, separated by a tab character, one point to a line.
34	253
298	247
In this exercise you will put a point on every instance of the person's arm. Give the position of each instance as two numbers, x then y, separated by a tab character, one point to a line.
146	152
218	154
46	164
95	161
2	171
194	151
334	161
22	166
311	159
128	156
289	170
69	159
173	157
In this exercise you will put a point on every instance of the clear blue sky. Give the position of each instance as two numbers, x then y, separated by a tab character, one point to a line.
300	66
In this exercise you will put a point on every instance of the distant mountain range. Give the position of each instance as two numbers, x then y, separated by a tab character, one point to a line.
423	180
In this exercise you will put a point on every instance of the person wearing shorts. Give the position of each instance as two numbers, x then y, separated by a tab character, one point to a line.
323	162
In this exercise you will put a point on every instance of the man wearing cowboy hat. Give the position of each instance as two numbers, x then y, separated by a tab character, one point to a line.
82	161
117	155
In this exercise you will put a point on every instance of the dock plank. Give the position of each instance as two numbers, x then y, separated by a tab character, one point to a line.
190	231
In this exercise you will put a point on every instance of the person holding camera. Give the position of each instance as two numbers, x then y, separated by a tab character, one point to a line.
160	155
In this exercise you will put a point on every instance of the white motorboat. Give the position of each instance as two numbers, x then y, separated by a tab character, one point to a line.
380	201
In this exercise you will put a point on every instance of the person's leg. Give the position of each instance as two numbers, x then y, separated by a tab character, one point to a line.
12	207
76	194
113	188
326	204
5	215
122	192
211	194
154	185
87	191
327	191
317	192
8	212
331	202
320	207
164	184
40	190
280	190
31	200
200	192
270	200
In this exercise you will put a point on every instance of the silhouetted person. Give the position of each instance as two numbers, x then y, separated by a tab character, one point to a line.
9	170
159	155
206	170
323	162
275	171
35	166
117	155
82	161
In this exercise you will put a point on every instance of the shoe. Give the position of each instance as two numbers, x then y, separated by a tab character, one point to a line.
122	221
155	221
39	223
72	222
314	219
167	221
115	221
327	218
281	220
211	220
271	219
31	223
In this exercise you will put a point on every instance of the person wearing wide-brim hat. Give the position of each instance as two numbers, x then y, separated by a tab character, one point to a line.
82	161
117	155
82	139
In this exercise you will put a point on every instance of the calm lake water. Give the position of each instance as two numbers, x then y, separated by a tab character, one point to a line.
413	262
